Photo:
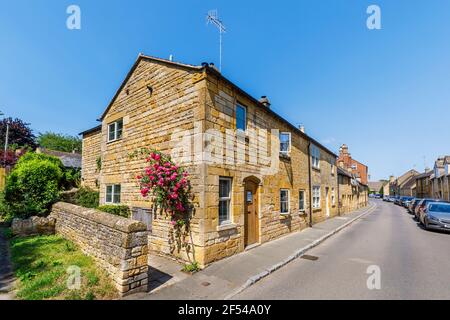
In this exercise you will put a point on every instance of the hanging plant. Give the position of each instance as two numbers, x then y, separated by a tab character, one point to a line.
168	187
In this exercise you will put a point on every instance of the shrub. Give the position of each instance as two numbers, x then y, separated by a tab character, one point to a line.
34	185
123	211
191	267
72	178
87	198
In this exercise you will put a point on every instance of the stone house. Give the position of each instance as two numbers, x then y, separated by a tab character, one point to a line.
255	176
404	185
353	194
423	185
440	179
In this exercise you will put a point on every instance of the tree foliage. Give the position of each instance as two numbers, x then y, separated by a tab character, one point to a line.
20	134
59	142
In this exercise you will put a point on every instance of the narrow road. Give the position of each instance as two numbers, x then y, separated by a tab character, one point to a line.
414	263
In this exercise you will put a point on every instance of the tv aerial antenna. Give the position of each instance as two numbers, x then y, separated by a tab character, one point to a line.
213	18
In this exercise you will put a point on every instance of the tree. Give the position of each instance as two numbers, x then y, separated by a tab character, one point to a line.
20	134
59	142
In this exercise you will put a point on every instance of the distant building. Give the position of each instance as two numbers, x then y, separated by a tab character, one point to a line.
352	193
423	185
404	185
440	178
346	162
377	186
69	159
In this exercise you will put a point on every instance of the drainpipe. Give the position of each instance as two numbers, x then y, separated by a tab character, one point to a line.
310	185
338	193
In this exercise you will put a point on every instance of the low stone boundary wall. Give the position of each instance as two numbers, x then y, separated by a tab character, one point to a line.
33	226
119	245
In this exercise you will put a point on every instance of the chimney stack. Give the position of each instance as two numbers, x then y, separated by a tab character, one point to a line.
301	128
264	101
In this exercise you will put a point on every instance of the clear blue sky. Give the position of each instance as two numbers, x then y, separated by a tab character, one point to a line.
385	93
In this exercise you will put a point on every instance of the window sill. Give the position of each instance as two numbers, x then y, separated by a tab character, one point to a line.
112	141
302	212
226	226
285	156
316	169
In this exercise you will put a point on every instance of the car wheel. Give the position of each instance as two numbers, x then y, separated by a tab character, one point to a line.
426	224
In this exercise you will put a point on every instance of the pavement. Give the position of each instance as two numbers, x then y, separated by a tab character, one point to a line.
411	263
229	277
6	275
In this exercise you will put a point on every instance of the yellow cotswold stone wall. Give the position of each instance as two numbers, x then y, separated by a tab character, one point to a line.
91	152
198	102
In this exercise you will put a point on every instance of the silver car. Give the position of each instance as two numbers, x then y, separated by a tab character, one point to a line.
436	216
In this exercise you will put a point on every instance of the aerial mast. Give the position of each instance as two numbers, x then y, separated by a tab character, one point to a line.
213	18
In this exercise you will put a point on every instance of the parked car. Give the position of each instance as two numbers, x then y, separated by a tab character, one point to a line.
413	204
385	198
436	216
402	201
391	199
406	201
421	206
397	200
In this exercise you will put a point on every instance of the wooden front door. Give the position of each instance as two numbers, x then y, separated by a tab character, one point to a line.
251	213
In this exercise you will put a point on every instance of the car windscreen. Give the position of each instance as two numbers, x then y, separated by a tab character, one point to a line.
440	208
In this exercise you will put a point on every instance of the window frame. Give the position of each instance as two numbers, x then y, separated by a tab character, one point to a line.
115	131
290	142
113	194
317	195
288	201
238	105
315	156
302	202
333	196
226	199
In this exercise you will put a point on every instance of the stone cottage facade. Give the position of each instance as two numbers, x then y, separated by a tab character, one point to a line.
255	176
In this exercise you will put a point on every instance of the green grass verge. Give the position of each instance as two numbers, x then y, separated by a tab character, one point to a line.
41	263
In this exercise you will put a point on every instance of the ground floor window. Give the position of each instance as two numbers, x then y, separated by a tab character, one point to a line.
301	200
316	197
333	197
284	201
224	200
112	193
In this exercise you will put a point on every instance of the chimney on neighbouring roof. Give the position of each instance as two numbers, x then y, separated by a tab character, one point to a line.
343	149
264	101
212	65
301	128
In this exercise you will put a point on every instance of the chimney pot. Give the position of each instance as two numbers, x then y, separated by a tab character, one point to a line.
265	101
301	128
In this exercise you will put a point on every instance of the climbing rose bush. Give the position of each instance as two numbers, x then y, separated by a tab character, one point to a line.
168	186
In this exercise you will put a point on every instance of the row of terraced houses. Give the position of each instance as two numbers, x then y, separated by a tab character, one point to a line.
432	183
255	176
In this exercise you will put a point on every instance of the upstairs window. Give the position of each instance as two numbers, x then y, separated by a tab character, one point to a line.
115	130
113	193
285	142
241	118
315	157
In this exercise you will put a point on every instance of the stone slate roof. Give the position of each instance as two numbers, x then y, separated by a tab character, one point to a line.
68	159
211	70
425	174
376	185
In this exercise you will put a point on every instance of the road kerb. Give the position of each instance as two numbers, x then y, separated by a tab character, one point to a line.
253	279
